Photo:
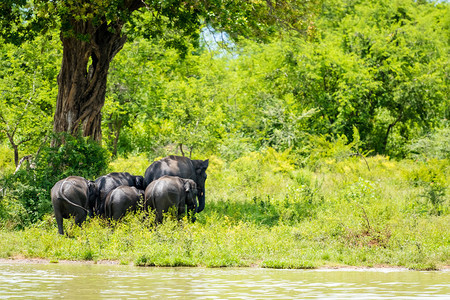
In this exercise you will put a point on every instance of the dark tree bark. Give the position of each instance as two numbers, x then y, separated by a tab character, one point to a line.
388	131
82	87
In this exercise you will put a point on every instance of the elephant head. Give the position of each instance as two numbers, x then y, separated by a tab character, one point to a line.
190	187
93	196
139	182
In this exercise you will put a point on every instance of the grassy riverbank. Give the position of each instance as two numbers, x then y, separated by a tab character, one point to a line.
263	210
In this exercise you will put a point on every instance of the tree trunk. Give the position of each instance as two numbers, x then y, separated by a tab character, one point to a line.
87	53
388	131
115	126
16	154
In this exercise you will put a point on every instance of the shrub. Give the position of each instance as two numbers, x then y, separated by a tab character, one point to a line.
430	176
78	155
331	149
434	145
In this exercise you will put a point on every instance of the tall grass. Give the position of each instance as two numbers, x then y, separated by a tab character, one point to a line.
263	210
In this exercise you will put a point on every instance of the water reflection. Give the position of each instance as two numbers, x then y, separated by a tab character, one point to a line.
75	281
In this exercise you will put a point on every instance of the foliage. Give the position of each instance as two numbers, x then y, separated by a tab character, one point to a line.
380	75
237	18
76	156
287	93
6	160
430	176
330	149
27	92
434	145
152	105
92	33
385	77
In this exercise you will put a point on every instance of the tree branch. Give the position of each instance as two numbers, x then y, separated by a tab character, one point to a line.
28	157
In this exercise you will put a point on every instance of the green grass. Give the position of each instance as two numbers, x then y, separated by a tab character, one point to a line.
264	211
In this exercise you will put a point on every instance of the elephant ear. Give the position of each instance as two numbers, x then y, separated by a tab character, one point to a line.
139	182
92	186
205	164
201	166
187	186
191	192
190	186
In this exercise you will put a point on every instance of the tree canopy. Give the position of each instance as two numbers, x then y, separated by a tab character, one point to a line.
92	34
369	72
386	77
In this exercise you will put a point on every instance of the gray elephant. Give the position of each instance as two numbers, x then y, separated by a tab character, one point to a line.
109	182
171	191
121	200
182	167
74	196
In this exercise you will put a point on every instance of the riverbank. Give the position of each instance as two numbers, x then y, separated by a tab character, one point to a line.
220	243
16	260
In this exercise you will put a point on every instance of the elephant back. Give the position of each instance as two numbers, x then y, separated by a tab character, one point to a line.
74	186
172	166
107	183
72	193
120	200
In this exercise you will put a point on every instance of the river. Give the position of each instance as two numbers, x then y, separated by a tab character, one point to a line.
104	281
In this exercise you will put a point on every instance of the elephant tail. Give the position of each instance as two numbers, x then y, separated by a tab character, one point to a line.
108	210
63	197
153	201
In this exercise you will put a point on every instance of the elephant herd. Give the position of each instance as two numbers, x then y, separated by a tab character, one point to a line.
173	181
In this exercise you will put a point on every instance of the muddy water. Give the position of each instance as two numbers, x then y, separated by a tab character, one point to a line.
80	281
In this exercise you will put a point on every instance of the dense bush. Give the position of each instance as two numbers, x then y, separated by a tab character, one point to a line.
434	145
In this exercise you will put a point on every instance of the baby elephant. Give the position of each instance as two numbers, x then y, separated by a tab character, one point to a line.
121	200
171	191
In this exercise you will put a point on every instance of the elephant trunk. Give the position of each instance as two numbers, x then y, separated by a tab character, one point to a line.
201	201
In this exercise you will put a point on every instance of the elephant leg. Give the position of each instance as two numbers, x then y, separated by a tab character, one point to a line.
117	213
80	217
59	221
156	208
181	210
159	216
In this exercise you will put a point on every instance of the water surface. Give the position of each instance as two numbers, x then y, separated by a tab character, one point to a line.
82	281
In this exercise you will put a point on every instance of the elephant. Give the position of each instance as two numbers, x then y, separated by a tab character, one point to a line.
182	167
109	182
171	191
73	196
121	200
